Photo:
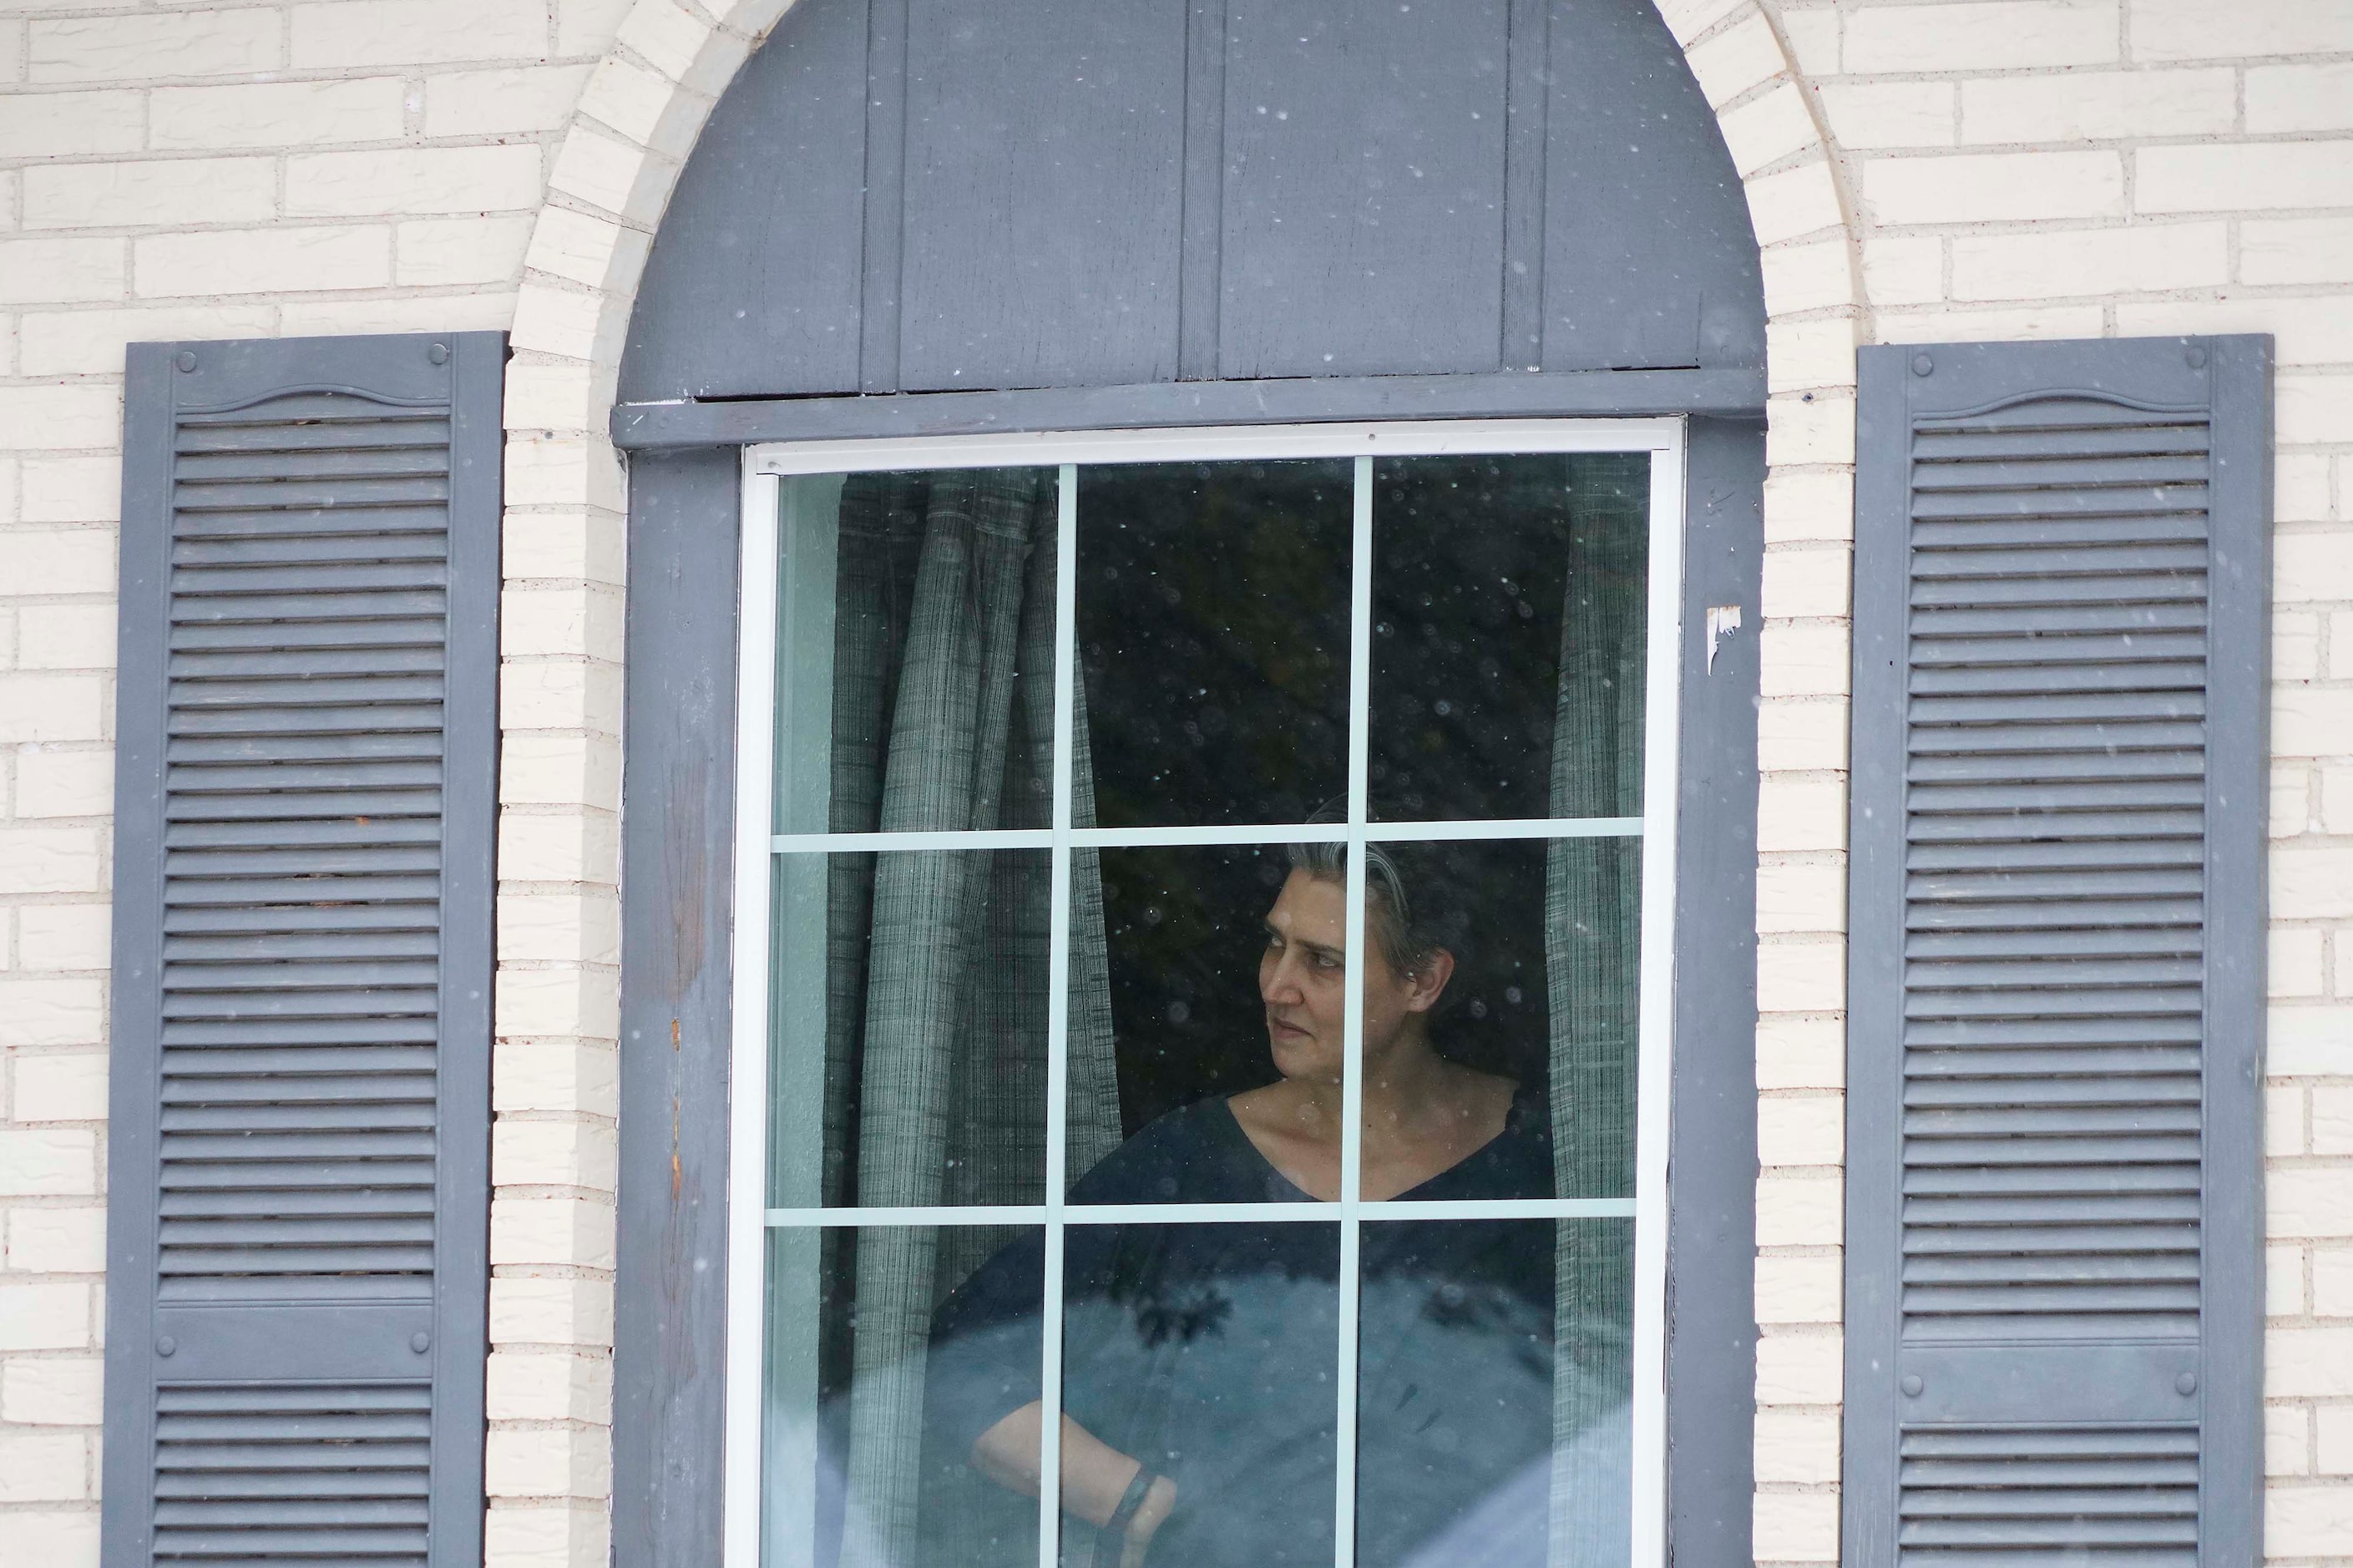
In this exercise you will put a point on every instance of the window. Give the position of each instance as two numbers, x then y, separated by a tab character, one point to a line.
1204	924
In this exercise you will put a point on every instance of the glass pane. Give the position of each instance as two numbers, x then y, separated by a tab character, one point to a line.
890	1352
1494	1392
1213	635
1508	613
915	651
1168	1022
908	1029
1207	1354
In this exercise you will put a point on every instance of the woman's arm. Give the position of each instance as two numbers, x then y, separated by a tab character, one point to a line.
1095	1475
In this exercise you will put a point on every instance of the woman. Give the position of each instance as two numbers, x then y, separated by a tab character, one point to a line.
1200	1369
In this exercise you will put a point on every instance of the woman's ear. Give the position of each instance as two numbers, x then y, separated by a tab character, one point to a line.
1429	979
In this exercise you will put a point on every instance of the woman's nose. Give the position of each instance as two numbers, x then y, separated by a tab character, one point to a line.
1282	983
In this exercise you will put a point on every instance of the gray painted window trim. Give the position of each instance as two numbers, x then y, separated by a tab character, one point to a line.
2237	385
676	1019
405	368
1620	393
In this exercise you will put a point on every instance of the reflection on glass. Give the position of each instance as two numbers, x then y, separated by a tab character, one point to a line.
1213	636
1494	1387
915	651
1508	612
908	1031
868	1388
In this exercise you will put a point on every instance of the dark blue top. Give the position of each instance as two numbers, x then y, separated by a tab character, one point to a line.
1210	1352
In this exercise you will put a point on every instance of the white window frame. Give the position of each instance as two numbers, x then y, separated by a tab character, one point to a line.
765	468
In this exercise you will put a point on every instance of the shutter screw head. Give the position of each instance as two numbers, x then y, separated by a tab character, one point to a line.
2196	356
421	1342
166	1345
2186	1385
1911	1385
438	354
186	359
1922	366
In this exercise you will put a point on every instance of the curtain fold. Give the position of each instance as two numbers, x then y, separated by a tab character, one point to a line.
938	960
1592	957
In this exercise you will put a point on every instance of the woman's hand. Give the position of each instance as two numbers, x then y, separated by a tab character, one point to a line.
1150	1515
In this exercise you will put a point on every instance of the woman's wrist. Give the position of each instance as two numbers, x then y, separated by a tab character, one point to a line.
1159	1501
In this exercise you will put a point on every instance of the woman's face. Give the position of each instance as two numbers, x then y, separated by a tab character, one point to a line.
1299	976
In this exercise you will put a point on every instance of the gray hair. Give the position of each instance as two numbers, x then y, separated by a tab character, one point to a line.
1388	912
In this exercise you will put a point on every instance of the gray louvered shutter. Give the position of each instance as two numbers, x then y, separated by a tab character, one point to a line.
299	1188
2055	1243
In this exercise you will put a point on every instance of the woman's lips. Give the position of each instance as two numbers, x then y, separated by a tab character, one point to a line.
1278	1027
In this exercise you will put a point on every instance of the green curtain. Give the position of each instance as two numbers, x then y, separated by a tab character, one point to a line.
937	960
1592	957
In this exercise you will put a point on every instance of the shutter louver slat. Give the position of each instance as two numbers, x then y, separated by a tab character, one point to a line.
313	794
2049	568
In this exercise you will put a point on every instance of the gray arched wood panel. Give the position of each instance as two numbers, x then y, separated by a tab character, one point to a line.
913	195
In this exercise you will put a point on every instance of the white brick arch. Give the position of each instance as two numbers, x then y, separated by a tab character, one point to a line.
552	1242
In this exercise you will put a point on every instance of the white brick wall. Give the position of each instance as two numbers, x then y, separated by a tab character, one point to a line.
1917	169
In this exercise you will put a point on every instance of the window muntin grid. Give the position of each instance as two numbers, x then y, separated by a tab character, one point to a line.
760	844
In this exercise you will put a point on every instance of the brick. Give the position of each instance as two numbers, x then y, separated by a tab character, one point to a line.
558	621
1810	354
1799	1211
1794	203
413	180
1802	507
57	1241
366	33
515	100
65	636
1810	583
556	395
55	1538
478	310
562	846
65	784
589	27
586	249
550	1311
559	928
567	471
1813	40
1804	658
2340	659
60	271
44	1467
2299	961
1992	187
2291	800
2333	1439
566	1001
2312	409
553	1154
49	1162
644	106
2312	881
65	1086
44	1316
264	261
2195	29
70	489
1989	326
1809	1130
1889	114
2300	488
1800	1053
153	194
1809	430
620	176
1769	127
1796	1447
557	1074
1800	976
2306	1041
2099	106
1798	1369
545	1536
2310	1202
2050	264
52	1012
2287	1439
1814	276
84	343
433	252
2332	1282
1737	59
549	1387
2332	1126
2310	1521
1900	271
679	44
568	694
551	1231
1796	1527
51	860
52	1391
276	114
2283	1278
2243	177
64	560
1800	898
1801	813
2311	331
2283	1120
1986	34
154	44
559	770
1800	1289
61	414
2296	250
1801	735
69	124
